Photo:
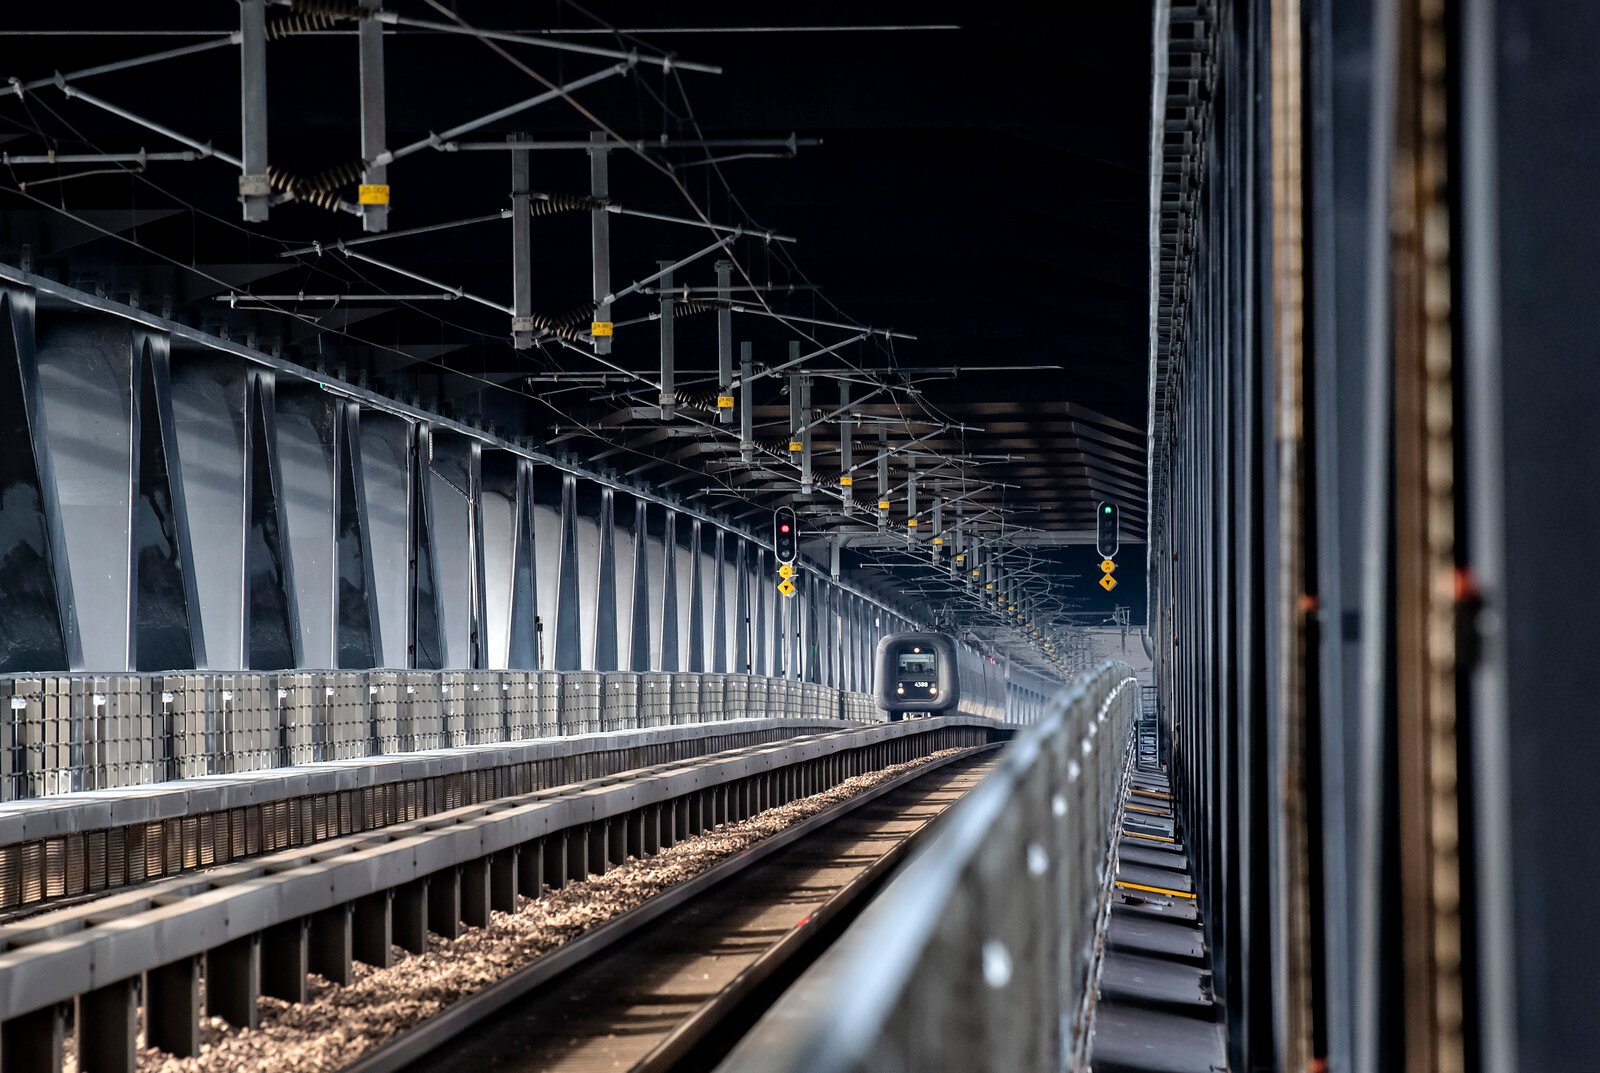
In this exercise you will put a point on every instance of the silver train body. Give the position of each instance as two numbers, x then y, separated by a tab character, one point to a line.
925	673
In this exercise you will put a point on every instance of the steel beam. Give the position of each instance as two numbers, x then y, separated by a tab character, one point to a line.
600	234
522	326
605	612
669	595
255	191
667	398
805	435
724	342
639	632
718	663
697	601
568	625
746	405
374	119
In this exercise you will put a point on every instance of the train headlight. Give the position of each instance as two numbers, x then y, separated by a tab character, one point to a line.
900	689
933	691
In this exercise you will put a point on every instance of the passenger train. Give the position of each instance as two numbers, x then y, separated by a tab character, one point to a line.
926	673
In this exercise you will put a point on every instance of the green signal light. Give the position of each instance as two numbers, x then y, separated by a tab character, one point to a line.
1108	510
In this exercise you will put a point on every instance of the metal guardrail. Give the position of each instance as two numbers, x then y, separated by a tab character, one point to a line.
975	957
66	733
70	845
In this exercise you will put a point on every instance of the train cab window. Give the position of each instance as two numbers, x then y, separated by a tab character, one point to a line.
917	673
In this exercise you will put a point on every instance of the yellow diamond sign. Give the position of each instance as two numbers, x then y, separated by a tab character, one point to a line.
786	570
1108	583
1107	565
786	587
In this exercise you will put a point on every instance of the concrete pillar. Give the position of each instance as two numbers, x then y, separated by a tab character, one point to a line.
330	946
598	841
444	903
233	981
503	880
530	869
555	860
107	1020
172	1008
34	1042
617	840
651	820
475	893
284	961
372	930
408	916
577	841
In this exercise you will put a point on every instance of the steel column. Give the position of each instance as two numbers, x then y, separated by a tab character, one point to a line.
697	600
568	625
605	622
639	609
255	191
374	118
669	595
522	326
719	604
668	398
724	340
600	234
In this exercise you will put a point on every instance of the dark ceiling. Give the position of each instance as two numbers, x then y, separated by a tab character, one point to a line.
982	188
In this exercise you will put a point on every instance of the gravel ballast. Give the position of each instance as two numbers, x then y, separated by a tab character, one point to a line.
339	1024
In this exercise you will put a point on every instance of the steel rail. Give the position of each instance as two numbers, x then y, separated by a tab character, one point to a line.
409	1048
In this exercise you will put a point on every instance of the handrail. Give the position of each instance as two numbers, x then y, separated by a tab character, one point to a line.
975	955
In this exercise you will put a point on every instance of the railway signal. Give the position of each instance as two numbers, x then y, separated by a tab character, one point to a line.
785	534
1106	529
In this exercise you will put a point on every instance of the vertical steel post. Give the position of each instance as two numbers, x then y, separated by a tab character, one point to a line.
255	191
669	594
760	639
741	621
719	604
600	235
793	435
724	340
697	600
639	633
605	597
568	625
938	528
746	405
911	496
805	435
374	118
847	501
521	250
883	477
669	396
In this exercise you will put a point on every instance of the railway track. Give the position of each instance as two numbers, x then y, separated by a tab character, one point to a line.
674	984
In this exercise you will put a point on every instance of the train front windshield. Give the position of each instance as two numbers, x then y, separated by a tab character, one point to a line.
917	674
